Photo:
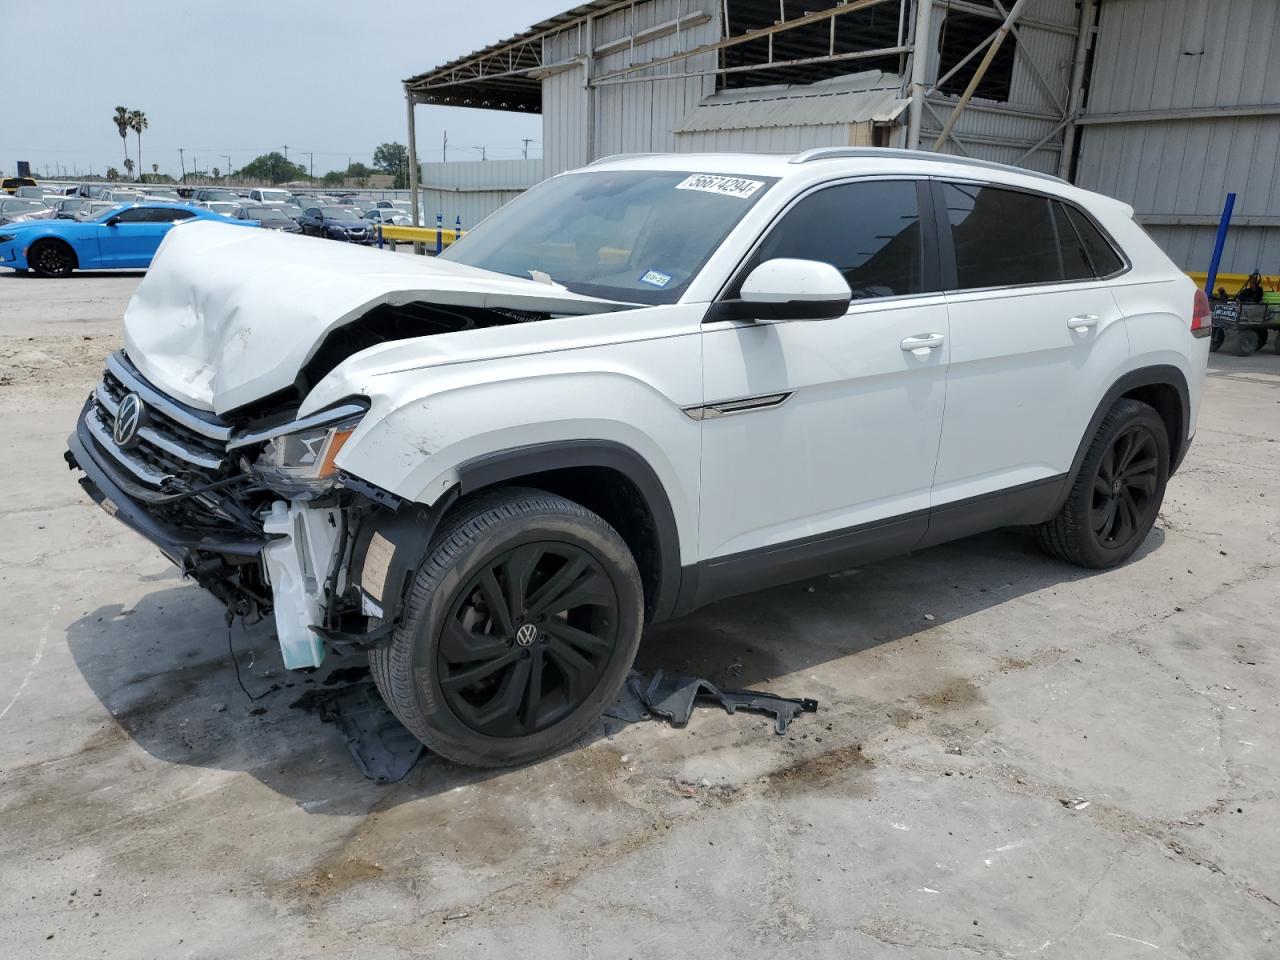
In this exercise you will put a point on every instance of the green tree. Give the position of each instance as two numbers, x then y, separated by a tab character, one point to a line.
334	178
113	173
393	158
357	170
121	119
138	123
128	166
273	168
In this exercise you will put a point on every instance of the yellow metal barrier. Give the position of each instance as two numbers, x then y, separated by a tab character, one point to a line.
1232	282
423	235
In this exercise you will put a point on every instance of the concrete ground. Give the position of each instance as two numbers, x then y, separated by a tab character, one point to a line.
1012	757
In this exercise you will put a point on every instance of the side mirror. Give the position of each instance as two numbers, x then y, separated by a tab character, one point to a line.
112	222
789	289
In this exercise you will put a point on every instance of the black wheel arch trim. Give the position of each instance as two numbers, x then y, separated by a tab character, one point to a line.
1158	375
499	467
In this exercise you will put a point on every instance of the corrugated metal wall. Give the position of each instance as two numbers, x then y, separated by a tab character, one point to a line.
776	139
473	189
1182	55
629	117
1046	38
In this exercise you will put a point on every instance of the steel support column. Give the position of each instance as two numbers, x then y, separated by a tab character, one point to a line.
1076	92
919	70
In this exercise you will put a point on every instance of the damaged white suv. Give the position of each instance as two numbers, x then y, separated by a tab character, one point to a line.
638	388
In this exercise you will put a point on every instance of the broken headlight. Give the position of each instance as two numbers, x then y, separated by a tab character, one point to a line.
297	459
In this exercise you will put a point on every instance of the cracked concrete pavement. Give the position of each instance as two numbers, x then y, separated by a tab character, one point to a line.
1058	764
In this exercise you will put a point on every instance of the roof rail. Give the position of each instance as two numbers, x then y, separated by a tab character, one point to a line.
889	153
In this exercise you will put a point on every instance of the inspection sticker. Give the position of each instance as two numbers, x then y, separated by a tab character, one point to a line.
726	186
656	278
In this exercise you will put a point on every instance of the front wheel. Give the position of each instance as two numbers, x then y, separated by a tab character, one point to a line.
51	258
519	631
1117	493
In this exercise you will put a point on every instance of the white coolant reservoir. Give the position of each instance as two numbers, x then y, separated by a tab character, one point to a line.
298	562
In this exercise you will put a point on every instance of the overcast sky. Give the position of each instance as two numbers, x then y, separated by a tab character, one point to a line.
244	78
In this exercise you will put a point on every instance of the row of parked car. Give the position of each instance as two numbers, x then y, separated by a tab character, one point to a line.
348	217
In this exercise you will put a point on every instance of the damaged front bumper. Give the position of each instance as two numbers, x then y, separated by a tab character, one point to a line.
175	481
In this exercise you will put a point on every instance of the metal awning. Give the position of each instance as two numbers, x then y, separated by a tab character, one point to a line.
870	96
502	76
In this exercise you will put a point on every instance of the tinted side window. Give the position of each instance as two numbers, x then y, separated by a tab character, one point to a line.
133	215
1075	262
1001	237
870	232
313	212
1102	255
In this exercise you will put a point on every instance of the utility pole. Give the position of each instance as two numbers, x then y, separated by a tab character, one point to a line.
526	141
311	165
482	152
286	151
183	162
227	157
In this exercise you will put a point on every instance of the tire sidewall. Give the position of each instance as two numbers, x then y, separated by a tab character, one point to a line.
1133	413
421	631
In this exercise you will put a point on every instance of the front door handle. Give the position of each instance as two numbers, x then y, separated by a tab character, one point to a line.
1082	323
922	343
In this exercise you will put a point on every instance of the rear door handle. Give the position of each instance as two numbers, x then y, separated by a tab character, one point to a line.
922	343
1083	322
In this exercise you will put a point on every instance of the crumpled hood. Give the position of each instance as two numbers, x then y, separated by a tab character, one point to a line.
226	316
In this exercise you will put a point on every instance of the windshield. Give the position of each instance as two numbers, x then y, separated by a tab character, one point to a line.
264	213
633	235
275	196
17	205
339	213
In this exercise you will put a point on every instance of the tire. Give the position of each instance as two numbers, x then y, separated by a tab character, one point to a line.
1246	342
1275	343
1216	338
1262	337
480	624
1116	495
51	258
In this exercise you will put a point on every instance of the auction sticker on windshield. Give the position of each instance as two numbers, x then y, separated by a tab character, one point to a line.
726	186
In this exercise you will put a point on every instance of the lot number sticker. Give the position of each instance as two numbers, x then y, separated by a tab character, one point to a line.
725	186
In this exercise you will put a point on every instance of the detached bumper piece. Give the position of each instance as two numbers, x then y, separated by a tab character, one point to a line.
673	699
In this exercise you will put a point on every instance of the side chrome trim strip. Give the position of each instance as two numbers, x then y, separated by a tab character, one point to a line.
727	408
154	398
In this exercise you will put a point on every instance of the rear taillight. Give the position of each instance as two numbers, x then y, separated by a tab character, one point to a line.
1201	317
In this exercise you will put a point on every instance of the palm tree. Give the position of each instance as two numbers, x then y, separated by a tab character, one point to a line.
155	169
128	166
122	124
138	123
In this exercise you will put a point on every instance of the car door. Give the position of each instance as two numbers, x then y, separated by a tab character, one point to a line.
311	221
820	437
1036	340
131	240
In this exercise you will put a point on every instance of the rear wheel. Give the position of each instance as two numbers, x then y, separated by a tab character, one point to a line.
51	258
518	633
1117	493
1246	342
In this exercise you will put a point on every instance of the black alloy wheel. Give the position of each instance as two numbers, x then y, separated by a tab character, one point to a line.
51	259
1124	487
1116	493
527	639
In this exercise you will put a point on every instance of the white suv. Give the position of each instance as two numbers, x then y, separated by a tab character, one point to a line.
638	388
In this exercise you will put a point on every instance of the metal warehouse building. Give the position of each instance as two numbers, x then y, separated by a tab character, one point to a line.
1166	104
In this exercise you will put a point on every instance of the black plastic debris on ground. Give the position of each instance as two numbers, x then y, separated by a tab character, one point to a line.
379	743
673	698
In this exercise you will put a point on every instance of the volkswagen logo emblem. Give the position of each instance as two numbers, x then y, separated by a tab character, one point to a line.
128	420
526	634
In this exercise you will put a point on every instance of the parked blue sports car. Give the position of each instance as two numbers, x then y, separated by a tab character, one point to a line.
122	238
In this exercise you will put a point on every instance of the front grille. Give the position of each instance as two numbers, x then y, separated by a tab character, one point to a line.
176	447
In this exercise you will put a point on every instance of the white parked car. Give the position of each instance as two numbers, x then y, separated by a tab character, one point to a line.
267	197
638	388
